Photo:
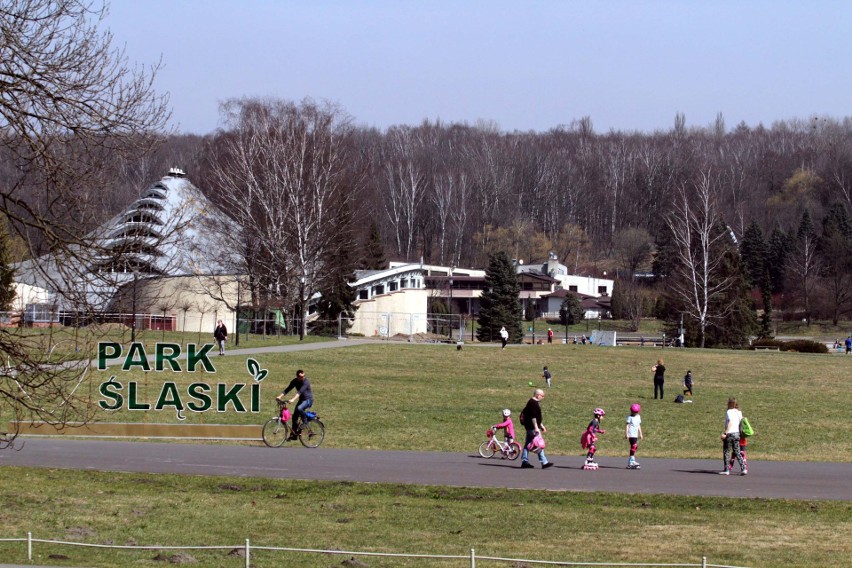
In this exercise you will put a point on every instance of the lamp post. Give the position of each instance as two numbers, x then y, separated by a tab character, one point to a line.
237	325
133	308
302	307
450	309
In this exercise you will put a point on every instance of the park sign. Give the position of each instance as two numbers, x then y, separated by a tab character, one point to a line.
199	396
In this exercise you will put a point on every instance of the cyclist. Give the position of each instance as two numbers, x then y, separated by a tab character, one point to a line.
305	396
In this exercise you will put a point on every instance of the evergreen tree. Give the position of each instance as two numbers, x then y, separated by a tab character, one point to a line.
7	274
753	250
500	303
570	311
337	296
665	256
766	297
736	318
776	259
835	251
374	252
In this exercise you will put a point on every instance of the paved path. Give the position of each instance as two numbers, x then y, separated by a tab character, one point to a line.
794	480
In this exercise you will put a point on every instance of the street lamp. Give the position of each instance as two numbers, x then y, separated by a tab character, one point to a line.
451	309
133	307
302	307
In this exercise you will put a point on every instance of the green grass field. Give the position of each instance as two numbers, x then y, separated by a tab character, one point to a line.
400	396
432	397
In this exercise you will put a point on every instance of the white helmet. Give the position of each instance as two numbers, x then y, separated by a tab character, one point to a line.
507	413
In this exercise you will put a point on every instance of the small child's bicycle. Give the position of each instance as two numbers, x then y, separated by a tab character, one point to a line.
490	447
277	430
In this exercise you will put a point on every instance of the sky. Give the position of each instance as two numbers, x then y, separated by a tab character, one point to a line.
519	65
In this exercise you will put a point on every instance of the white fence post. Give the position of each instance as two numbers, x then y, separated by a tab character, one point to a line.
472	559
248	553
703	562
30	546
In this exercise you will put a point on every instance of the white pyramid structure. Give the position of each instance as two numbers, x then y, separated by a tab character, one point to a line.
161	234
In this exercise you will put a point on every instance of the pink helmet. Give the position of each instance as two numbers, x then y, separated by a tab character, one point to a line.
635	407
600	412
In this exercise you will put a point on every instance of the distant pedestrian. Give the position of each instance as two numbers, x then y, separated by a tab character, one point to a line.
848	343
549	336
731	438
659	378
504	336
547	376
687	384
220	334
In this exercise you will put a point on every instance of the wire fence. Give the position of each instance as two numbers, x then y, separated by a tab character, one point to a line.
245	549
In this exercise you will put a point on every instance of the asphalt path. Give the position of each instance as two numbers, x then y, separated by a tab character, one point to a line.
793	480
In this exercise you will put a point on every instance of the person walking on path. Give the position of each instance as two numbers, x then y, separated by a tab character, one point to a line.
659	378
304	394
531	420
220	334
546	376
731	438
504	336
633	433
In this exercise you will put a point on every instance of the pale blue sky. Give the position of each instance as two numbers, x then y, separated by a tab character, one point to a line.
526	65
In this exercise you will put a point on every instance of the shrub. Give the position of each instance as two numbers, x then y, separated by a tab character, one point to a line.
797	345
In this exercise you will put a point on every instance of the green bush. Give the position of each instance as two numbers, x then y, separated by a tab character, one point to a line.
805	346
797	345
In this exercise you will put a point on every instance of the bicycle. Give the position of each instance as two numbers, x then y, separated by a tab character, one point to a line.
508	450
276	431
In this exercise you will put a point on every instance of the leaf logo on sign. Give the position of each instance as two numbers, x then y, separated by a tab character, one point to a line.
255	370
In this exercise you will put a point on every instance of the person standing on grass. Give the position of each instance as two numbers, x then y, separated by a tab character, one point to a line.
504	336
546	376
549	335
848	344
659	378
220	334
534	426
687	384
731	438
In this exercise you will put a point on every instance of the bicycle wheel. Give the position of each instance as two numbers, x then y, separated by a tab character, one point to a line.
312	434
275	432
514	451
486	449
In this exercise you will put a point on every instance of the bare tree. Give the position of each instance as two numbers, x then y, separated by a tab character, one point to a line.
70	109
280	174
699	280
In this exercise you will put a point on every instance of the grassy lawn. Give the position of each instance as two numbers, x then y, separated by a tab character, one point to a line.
593	527
397	396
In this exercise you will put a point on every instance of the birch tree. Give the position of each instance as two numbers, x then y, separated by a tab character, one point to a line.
698	279
281	176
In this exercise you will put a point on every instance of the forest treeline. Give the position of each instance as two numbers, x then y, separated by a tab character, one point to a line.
452	193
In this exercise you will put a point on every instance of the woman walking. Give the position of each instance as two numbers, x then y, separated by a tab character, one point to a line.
731	438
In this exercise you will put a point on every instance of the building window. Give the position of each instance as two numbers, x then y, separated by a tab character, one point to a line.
403	283
393	286
377	290
601	290
572	288
363	294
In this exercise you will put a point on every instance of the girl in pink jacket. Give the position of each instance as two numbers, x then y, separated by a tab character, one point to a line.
508	425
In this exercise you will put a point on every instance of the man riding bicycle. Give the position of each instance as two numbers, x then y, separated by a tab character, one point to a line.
305	396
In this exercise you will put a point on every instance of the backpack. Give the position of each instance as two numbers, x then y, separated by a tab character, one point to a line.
745	428
522	419
679	398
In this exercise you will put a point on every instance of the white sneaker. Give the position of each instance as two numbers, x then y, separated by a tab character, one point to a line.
744	472
726	472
